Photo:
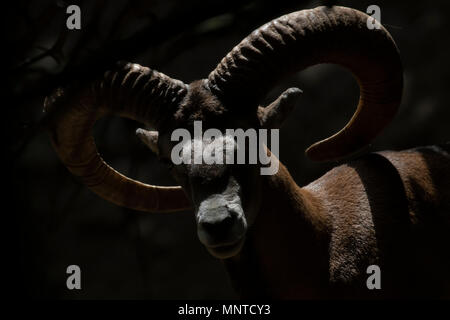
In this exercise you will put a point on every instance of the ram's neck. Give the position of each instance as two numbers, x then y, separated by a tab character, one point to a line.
288	243
284	202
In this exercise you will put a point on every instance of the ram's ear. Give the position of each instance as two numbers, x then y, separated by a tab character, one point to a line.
150	138
273	116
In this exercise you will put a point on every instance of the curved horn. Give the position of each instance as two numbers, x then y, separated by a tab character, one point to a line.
301	39
130	91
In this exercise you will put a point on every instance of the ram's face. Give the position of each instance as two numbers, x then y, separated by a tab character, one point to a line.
225	196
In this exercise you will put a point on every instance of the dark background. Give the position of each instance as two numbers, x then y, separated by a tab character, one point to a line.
125	254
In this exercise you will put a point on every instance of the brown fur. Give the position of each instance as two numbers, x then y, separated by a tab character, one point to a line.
199	104
389	209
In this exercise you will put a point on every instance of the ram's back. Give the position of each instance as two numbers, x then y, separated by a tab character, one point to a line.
391	209
425	174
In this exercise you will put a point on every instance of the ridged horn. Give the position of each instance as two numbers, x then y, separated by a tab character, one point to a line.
301	39
128	90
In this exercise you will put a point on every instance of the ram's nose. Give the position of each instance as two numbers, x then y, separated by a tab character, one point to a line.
220	226
217	222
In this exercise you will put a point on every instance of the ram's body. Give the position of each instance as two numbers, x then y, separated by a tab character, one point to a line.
390	209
